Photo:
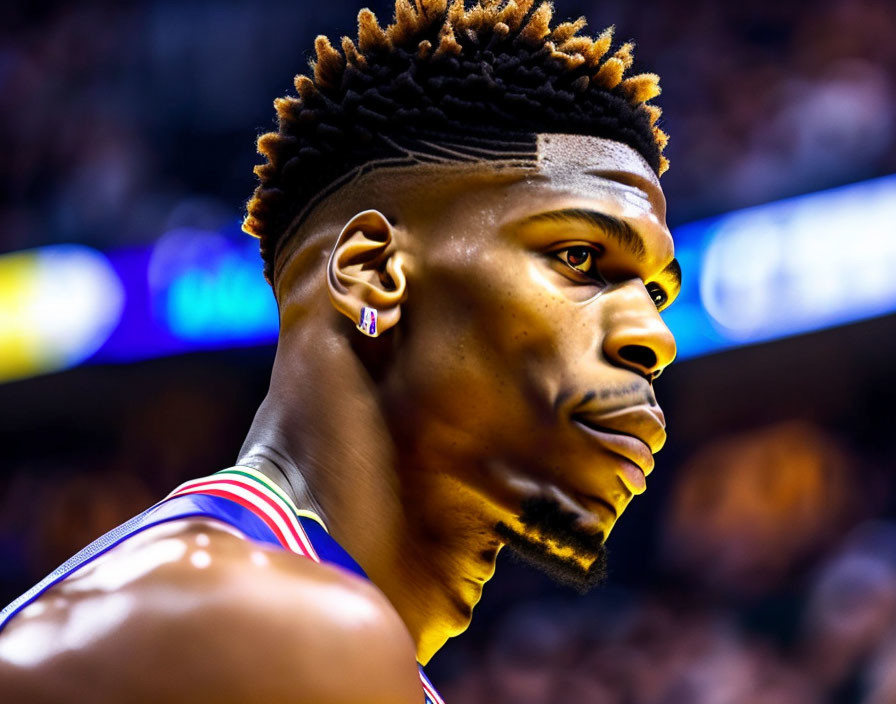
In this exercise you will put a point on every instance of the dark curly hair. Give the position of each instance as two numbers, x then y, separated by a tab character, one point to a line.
444	83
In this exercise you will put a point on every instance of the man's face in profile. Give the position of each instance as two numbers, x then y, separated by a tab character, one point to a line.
531	335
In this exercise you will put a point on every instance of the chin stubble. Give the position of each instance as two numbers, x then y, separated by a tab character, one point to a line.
545	518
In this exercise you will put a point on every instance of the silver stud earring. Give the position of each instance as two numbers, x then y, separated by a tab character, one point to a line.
368	322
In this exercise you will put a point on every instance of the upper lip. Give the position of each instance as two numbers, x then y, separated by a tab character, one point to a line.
647	424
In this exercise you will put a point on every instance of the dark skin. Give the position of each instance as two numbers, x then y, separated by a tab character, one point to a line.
519	312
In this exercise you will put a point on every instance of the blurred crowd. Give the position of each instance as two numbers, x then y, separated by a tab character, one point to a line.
770	99
119	121
643	648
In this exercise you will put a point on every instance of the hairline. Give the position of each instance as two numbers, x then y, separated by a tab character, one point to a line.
309	218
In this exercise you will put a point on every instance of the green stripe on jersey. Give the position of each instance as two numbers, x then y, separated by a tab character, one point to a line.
252	473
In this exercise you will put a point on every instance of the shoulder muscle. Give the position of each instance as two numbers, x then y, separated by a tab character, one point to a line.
227	621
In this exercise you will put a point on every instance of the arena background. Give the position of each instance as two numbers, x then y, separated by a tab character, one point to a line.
135	332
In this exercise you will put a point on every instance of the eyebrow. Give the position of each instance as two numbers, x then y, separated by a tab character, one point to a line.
616	228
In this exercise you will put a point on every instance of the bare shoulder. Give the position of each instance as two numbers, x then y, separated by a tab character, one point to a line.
191	611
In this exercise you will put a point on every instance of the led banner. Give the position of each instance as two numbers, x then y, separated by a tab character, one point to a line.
753	275
58	306
788	267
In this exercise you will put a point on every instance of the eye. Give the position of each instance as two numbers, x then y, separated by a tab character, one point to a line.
657	294
582	259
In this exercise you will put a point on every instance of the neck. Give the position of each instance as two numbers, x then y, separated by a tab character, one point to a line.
322	436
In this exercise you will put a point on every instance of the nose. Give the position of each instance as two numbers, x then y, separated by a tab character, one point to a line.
636	336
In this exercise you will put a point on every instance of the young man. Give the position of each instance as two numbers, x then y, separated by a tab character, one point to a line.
461	220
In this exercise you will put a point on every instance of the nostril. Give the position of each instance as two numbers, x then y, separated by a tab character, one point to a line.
644	357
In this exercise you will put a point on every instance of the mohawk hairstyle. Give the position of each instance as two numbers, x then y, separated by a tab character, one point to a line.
444	83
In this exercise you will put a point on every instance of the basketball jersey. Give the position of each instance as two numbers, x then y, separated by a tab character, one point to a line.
245	499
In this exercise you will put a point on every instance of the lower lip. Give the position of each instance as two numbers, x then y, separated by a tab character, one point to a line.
631	474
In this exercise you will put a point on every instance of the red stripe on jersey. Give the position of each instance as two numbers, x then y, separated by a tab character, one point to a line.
300	538
427	689
224	494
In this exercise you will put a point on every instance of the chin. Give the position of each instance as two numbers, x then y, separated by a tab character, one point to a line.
553	542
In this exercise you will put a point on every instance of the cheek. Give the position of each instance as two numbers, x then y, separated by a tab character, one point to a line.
494	339
499	306
549	321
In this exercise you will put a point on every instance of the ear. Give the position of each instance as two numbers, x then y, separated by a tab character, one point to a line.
366	271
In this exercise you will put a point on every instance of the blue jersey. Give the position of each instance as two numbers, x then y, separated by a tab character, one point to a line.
245	499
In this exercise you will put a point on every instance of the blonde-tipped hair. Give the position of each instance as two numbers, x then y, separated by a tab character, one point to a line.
496	67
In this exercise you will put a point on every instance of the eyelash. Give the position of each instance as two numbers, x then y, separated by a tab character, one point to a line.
656	292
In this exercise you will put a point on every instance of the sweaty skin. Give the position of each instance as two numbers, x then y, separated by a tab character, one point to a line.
190	611
520	333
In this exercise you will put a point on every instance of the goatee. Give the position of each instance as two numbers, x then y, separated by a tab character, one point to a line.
547	522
